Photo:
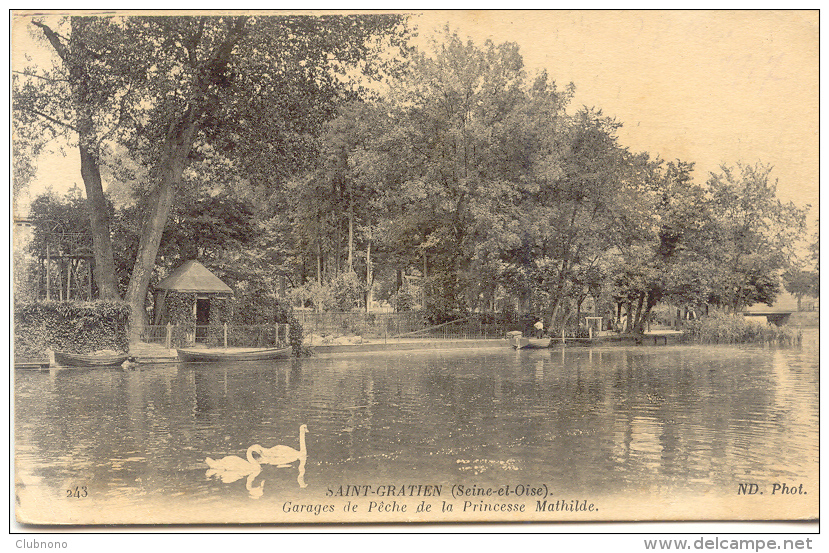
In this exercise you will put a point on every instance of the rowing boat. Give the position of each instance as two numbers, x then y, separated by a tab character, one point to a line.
517	340
66	359
217	355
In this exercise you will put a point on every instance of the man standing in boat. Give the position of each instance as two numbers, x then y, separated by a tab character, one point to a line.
539	329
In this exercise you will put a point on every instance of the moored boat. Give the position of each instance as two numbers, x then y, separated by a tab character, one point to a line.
517	340
217	355
66	359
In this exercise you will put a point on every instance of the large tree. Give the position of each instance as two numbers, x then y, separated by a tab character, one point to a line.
752	235
663	263
585	202
251	91
461	152
84	98
801	282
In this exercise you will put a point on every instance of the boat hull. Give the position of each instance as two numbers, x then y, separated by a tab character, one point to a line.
519	342
64	359
213	356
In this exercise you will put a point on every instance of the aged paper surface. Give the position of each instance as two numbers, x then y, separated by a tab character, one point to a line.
699	86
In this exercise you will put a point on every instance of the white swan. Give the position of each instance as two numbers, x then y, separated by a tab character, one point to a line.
283	455
232	468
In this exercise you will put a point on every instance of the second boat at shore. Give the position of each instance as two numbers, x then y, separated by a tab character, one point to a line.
199	355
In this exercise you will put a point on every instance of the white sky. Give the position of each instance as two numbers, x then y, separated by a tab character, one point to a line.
709	87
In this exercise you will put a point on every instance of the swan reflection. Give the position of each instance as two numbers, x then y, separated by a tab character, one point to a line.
232	468
300	479
254	491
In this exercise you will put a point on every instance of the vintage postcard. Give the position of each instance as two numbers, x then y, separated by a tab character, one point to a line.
404	267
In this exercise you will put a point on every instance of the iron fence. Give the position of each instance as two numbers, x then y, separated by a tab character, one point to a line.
362	324
387	326
171	335
410	325
156	334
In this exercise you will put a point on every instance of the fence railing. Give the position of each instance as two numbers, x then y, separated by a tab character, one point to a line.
225	335
386	326
157	334
362	324
408	325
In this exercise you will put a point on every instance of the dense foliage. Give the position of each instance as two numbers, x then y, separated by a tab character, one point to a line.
724	328
182	96
474	179
74	327
295	161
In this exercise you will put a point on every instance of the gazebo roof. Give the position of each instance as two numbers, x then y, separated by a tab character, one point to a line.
194	277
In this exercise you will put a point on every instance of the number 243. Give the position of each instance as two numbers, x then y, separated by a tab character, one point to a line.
77	491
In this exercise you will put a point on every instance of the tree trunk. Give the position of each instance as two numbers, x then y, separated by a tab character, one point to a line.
579	301
90	168
637	320
99	223
338	248
142	271
369	276
177	146
642	319
628	316
350	232
319	264
558	291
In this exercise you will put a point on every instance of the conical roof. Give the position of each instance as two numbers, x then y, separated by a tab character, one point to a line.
194	277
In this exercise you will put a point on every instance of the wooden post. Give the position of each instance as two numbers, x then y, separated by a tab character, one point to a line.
225	332
169	338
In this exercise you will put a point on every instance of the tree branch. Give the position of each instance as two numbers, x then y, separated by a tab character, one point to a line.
121	111
48	118
40	77
54	40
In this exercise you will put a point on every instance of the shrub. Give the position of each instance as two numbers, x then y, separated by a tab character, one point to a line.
402	300
320	296
723	328
347	291
284	315
71	326
295	337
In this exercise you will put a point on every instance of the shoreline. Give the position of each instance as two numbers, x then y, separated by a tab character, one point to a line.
154	353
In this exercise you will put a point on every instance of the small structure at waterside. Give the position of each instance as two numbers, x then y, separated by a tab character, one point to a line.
196	302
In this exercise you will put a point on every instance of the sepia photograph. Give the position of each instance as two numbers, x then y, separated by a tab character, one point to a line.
366	267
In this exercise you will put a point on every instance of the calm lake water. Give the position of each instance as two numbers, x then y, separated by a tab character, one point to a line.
641	432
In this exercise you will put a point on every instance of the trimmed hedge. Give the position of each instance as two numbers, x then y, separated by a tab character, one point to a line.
71	326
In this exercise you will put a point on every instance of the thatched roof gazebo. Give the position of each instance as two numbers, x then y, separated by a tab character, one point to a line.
193	299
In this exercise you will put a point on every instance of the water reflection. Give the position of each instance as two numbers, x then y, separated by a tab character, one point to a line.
672	418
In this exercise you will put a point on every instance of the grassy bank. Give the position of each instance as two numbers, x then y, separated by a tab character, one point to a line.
721	328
